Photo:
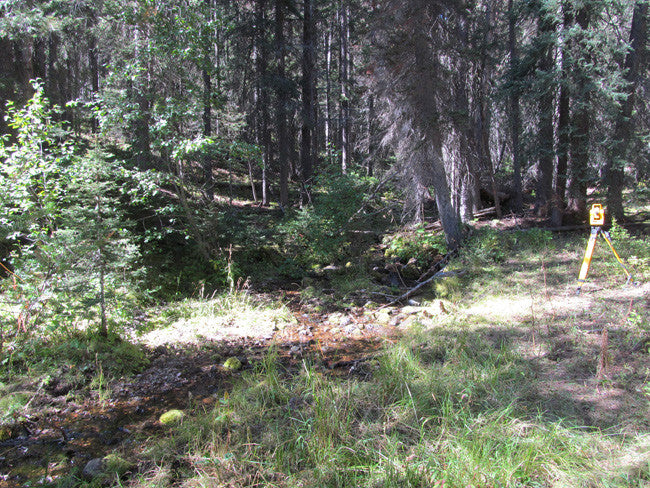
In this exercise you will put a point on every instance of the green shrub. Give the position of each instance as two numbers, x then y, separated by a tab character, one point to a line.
79	351
486	246
419	244
531	239
317	234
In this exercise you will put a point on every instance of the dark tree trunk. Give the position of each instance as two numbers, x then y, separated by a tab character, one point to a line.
23	68
328	93
484	111
308	101
52	87
139	92
39	60
207	132
563	130
372	143
7	77
614	167
515	120
282	95
93	63
263	137
207	107
344	34
416	88
578	171
545	106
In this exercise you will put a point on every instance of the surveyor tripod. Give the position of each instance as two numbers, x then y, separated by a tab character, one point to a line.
597	220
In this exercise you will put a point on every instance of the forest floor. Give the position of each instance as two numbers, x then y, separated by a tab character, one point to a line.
584	359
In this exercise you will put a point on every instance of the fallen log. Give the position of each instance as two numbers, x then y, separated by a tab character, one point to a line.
419	286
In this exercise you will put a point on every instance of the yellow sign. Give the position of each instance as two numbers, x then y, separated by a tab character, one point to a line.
596	215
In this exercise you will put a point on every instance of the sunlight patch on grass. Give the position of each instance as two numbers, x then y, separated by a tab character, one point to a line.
502	309
228	316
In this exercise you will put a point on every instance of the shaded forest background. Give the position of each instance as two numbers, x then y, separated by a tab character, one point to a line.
164	133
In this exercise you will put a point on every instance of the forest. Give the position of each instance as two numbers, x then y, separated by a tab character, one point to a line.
323	243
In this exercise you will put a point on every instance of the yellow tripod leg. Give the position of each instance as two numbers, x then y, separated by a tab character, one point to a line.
584	269
618	258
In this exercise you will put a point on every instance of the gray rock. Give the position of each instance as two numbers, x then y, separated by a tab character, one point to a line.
383	317
344	321
93	468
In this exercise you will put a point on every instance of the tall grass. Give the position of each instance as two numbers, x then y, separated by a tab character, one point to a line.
438	410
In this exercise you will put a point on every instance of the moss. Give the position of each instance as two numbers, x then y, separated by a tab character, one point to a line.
171	417
5	433
116	464
232	364
449	287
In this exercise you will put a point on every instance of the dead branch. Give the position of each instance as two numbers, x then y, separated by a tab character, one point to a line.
418	287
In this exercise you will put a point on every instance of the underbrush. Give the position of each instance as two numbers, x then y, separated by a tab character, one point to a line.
434	410
319	233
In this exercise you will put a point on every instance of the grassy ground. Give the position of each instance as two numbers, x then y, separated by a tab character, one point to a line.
501	376
522	383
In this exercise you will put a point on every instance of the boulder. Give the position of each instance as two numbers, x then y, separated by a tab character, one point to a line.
106	466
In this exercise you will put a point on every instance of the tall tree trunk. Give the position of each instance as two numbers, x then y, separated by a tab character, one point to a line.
545	109
344	34
372	143
308	101
207	106
515	120
263	136
563	129
39	60
484	105
328	94
93	62
427	111
282	97
7	78
635	59
52	88
141	140
577	185
207	132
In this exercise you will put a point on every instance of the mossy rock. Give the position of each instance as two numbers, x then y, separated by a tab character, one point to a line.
116	464
232	364
383	317
171	417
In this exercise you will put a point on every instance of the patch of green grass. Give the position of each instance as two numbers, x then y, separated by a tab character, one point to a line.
10	403
438	410
37	353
